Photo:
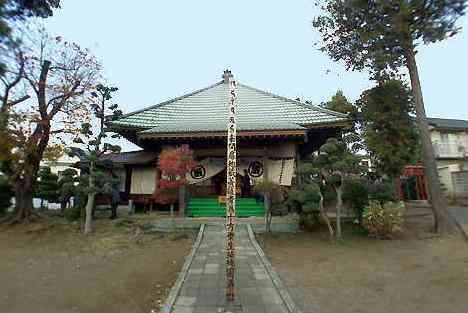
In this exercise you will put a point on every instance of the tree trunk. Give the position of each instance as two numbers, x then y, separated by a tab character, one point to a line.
339	205
442	221
24	199
88	227
325	217
397	186
63	205
90	202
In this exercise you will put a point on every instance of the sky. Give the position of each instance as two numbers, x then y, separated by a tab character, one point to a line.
157	50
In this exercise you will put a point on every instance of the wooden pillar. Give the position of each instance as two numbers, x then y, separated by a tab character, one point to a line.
182	202
298	168
266	193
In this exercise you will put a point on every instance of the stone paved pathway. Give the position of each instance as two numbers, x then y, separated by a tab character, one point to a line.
203	290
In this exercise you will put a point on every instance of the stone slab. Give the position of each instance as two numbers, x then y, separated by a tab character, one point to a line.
203	287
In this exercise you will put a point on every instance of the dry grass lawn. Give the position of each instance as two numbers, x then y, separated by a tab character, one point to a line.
415	273
50	267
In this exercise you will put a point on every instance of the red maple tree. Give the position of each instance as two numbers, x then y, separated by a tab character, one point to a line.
174	164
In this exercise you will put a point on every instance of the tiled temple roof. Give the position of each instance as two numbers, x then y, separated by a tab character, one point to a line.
205	110
445	123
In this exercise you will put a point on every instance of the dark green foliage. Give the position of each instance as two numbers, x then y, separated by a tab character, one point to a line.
378	34
305	199
388	128
382	191
103	112
97	179
335	161
410	189
73	213
14	11
47	187
339	103
103	182
17	10
6	193
329	195
382	36
356	193
67	186
30	8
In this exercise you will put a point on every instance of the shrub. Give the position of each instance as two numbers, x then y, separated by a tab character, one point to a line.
277	196
306	199
72	213
5	195
306	202
383	221
356	193
329	195
382	191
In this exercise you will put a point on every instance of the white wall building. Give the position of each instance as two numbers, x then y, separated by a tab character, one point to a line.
450	140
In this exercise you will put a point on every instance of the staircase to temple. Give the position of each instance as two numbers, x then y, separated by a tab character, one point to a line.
208	207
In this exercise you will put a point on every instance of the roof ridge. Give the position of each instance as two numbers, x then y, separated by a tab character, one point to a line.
169	101
122	152
446	119
305	105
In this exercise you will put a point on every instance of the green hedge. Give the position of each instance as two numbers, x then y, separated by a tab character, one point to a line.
6	193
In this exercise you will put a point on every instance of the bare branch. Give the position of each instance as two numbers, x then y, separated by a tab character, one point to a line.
10	85
66	95
64	98
19	100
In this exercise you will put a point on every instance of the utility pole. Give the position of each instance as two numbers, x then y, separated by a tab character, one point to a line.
231	176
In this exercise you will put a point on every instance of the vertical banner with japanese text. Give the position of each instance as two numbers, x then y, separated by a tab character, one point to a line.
231	168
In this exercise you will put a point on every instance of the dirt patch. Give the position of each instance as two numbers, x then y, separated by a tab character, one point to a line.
50	267
418	272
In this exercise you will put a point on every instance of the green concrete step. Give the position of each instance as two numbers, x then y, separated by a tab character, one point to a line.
207	207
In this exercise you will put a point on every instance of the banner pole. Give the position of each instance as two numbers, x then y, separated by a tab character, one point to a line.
231	177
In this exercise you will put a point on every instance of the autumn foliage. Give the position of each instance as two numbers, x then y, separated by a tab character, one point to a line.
174	164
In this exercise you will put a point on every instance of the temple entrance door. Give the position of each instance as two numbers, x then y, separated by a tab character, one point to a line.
219	183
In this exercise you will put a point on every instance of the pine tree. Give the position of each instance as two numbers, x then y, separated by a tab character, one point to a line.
47	186
335	164
382	36
96	180
388	127
67	187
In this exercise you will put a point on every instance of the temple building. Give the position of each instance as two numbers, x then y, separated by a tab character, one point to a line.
273	134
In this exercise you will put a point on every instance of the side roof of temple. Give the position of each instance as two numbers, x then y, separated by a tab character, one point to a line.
205	111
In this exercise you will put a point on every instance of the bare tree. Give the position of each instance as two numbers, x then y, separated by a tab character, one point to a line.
44	98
